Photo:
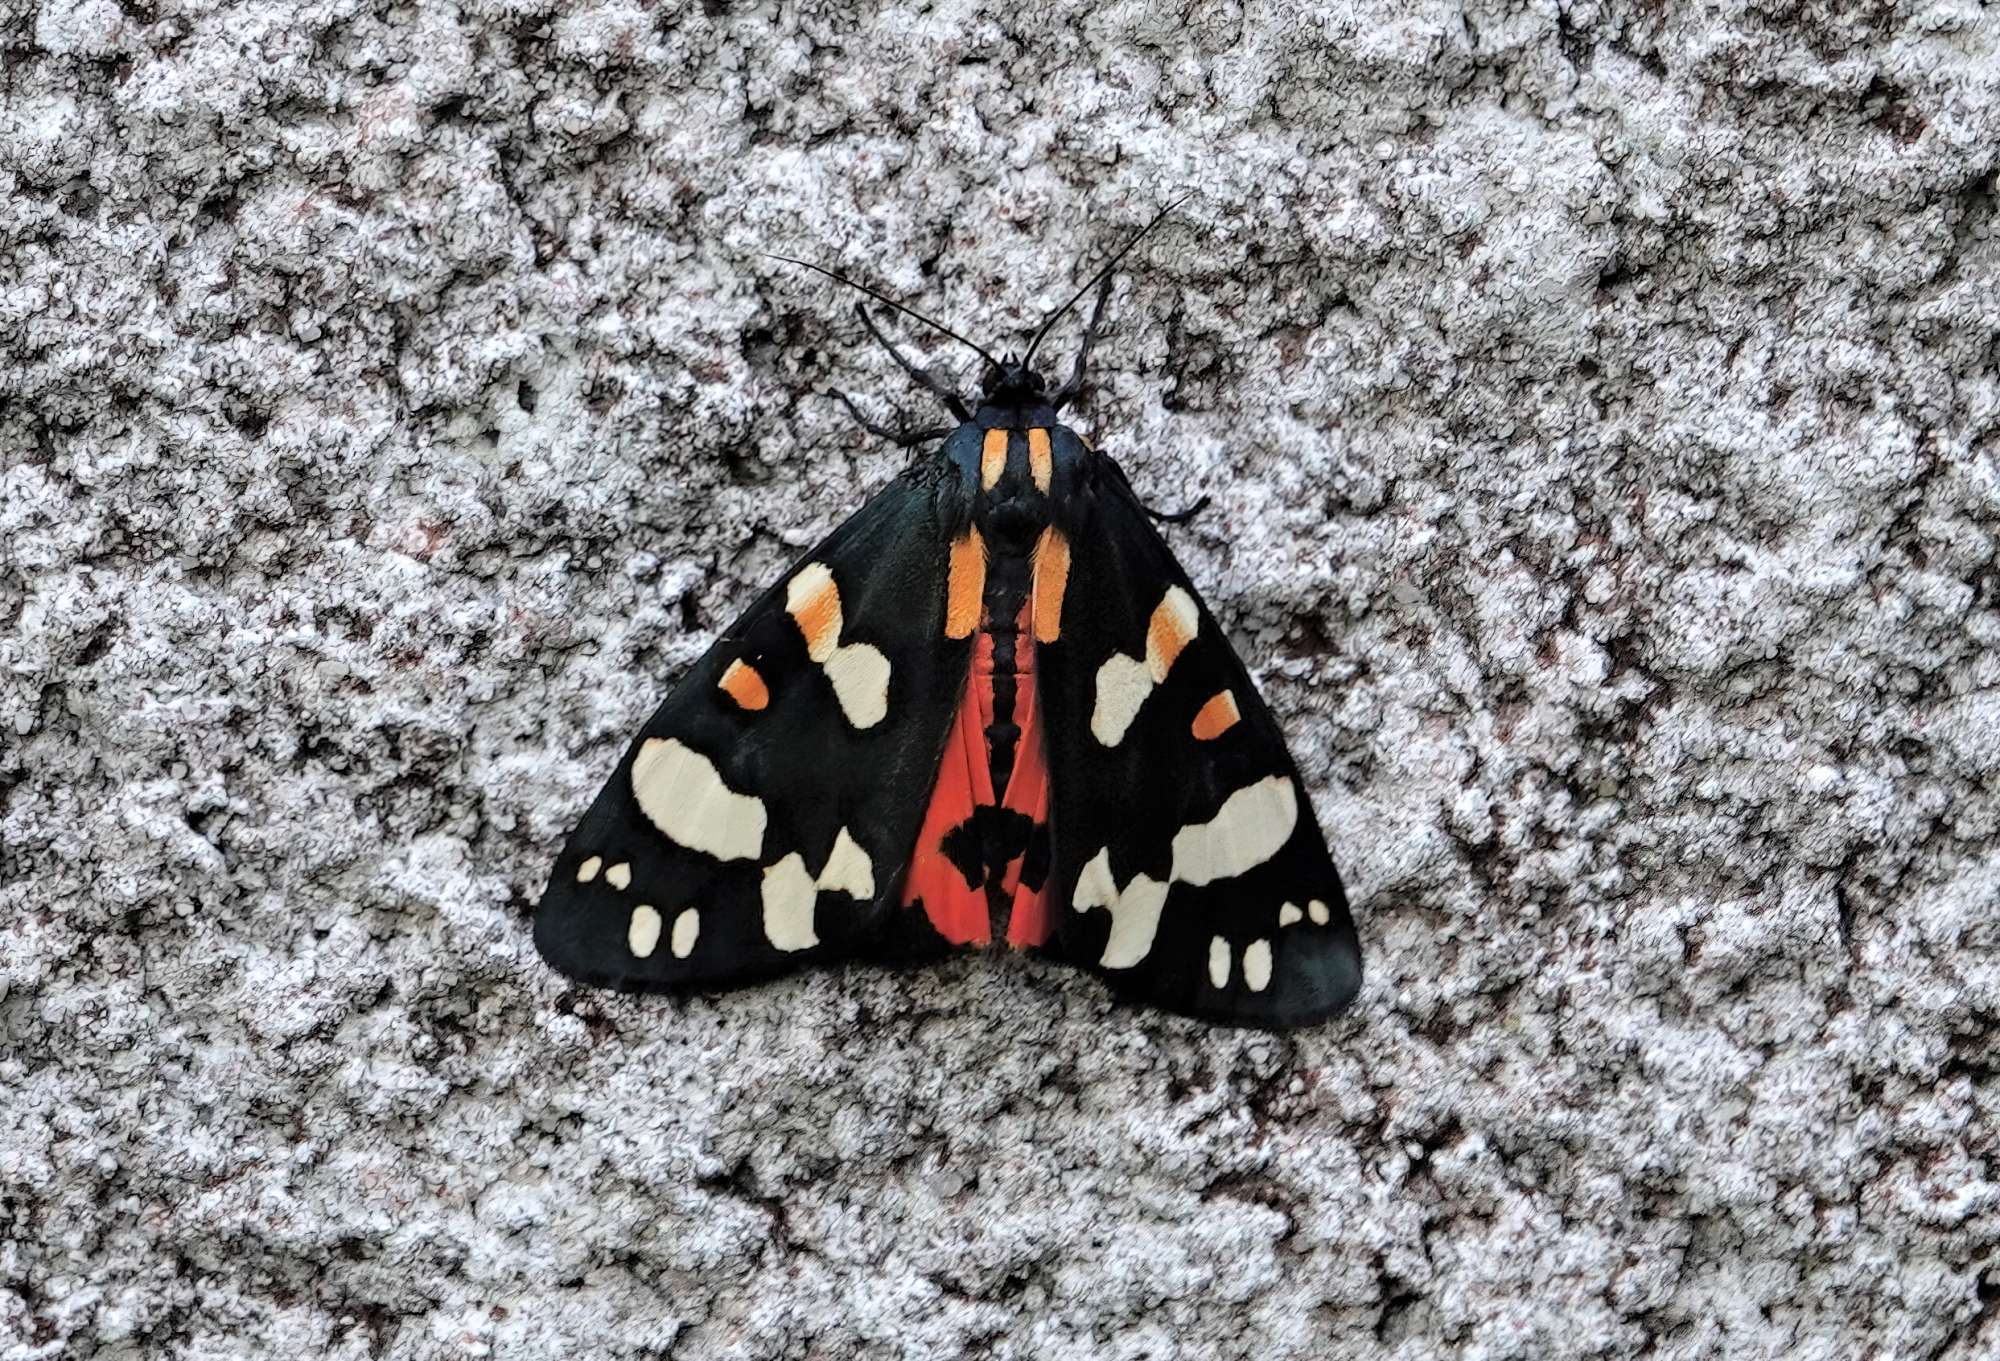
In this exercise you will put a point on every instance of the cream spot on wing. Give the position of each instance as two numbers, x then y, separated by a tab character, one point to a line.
687	927
1257	965
588	869
1318	911
848	869
1122	686
1173	627
813	601
643	932
1253	824
1218	962
681	793
1289	913
860	676
1135	910
789	897
619	876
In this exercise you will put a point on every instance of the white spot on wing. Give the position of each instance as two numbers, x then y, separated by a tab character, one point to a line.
643	932
687	926
1318	911
860	676
1135	910
588	869
619	876
1218	962
1252	825
848	870
1122	686
681	793
1257	965
789	895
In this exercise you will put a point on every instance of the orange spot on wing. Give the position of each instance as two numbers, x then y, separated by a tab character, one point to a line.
742	683
1217	717
992	458
1041	465
966	588
1051	580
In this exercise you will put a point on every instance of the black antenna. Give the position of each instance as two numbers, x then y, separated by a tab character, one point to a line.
1099	277
887	302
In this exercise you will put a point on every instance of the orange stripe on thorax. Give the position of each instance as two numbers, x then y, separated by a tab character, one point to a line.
1051	580
992	459
965	587
1041	464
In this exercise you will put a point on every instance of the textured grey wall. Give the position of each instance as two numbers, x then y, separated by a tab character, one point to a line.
1602	412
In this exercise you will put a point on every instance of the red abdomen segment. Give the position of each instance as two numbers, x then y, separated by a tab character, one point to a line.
952	889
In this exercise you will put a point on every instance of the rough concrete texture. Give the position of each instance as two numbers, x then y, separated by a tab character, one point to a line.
1601	409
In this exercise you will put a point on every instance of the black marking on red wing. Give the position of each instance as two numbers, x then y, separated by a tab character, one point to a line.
815	772
1134	797
985	844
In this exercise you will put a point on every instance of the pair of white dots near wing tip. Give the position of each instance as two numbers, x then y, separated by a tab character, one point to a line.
1291	914
619	876
642	933
1256	964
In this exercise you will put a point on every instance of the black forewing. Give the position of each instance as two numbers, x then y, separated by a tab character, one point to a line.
1133	798
815	772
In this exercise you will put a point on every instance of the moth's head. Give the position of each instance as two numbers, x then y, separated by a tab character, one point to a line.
1012	381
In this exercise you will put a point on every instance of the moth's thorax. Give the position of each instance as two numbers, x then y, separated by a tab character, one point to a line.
1016	472
1014	415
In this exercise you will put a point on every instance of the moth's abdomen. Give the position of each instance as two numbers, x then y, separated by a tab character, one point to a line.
978	856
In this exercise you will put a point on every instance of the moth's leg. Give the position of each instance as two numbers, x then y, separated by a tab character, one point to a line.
904	438
1178	517
1066	394
925	379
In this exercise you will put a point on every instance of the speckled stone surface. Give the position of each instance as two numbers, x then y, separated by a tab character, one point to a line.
1601	409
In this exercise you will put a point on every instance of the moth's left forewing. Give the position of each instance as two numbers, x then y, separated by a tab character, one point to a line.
1187	859
762	818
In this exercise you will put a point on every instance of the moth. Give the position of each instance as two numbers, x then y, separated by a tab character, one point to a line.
990	707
